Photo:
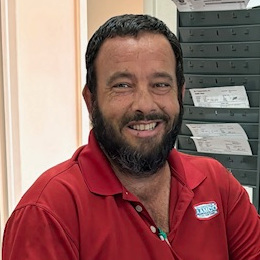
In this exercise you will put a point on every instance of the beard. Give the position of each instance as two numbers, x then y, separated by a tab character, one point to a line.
144	160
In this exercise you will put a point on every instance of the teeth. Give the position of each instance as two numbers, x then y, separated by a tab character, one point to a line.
144	127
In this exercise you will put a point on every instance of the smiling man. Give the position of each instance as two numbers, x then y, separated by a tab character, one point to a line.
136	102
129	194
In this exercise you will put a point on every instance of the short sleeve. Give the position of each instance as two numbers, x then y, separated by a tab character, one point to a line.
33	233
243	224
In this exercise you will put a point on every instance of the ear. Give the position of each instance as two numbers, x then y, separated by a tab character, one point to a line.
88	99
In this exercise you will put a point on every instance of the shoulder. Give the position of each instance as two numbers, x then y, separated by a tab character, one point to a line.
51	182
60	175
214	171
217	178
52	200
209	175
200	162
57	191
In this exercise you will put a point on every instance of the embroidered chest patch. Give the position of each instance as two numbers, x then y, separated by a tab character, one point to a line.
206	210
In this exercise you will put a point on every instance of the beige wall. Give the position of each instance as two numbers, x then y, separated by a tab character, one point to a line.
41	75
99	11
46	51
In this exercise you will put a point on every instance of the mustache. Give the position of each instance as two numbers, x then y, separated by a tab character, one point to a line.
142	117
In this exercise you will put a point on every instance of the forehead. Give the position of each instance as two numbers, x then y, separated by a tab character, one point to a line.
145	44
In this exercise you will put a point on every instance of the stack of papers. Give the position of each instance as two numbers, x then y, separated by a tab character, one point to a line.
228	138
227	97
224	138
211	5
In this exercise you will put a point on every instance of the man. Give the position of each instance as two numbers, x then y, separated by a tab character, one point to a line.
128	194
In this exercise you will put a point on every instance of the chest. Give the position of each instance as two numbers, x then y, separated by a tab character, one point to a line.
158	209
123	230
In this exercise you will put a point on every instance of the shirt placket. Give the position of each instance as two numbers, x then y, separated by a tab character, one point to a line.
143	213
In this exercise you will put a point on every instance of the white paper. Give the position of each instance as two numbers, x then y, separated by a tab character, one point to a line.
222	145
250	192
223	97
209	5
226	130
253	3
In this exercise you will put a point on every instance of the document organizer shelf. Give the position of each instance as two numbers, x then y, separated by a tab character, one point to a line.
221	49
226	115
236	66
213	18
243	167
187	143
253	97
223	34
251	82
251	129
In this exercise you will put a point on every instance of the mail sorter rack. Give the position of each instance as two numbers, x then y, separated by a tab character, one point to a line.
222	48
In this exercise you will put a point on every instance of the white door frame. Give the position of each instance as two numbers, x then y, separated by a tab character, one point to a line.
10	126
163	9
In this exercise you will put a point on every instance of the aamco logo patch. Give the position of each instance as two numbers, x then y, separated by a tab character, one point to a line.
206	210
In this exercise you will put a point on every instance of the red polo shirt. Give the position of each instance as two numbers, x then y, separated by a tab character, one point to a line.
79	210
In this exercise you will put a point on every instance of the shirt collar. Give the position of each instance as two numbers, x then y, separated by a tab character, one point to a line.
101	179
97	170
185	169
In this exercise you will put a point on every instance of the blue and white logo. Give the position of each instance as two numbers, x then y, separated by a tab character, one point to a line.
206	210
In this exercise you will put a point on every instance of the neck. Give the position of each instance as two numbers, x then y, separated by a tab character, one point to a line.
153	192
145	188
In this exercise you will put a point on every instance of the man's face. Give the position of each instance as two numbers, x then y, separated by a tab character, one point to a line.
136	106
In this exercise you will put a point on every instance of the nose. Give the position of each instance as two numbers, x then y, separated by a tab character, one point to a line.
144	101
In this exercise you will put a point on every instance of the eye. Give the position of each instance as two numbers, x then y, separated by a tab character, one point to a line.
122	88
161	88
121	85
162	85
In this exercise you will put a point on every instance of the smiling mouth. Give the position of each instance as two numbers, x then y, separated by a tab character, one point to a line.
143	127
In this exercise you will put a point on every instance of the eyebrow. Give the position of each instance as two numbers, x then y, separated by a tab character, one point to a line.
162	75
118	75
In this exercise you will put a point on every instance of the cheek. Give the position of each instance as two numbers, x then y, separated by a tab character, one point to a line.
171	106
115	104
114	111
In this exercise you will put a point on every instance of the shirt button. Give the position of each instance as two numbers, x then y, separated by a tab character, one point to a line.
153	229
139	208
